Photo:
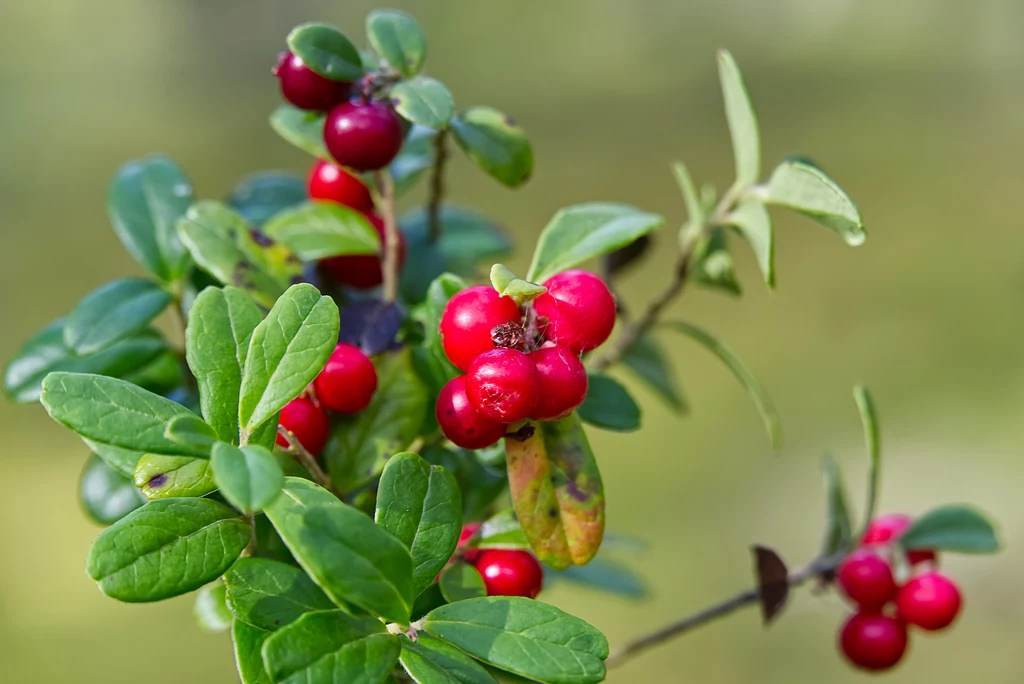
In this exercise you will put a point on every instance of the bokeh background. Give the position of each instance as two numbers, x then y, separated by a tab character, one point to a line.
913	106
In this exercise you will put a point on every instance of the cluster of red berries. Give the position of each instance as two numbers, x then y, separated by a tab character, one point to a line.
519	364
506	572
875	637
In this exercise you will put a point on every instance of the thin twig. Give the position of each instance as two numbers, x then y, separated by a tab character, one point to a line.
306	459
389	264
437	186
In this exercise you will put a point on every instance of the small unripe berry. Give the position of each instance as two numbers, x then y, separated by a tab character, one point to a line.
509	572
563	382
364	136
580	310
329	182
468	319
872	641
306	89
503	385
348	381
364	271
308	422
930	601
866	579
887	528
460	422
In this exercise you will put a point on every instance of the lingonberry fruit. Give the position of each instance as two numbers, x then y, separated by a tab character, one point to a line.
563	382
347	382
363	271
503	385
305	88
330	182
580	310
468	319
866	579
887	528
364	136
461	422
308	422
510	572
873	641
468	530
930	601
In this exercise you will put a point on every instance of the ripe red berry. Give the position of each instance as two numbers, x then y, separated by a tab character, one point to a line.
363	271
308	422
563	382
306	89
580	310
930	601
364	136
461	422
330	182
872	641
468	530
348	381
509	572
503	385
468	319
866	579
886	528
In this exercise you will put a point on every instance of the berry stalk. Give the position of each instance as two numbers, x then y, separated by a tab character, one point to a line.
437	186
390	262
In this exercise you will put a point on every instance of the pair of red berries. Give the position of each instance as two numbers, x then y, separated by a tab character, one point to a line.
345	385
506	572
512	373
875	637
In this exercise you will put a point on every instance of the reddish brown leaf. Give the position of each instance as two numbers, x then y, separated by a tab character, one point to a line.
772	582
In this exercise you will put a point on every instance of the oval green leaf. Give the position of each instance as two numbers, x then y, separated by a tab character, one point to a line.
509	285
957	528
248	645
163	477
461	581
424	101
326	51
751	219
805	188
191	431
500	531
318	230
304	130
105	494
269	594
248	477
609	405
495	143
211	608
113	312
432	661
398	39
739	113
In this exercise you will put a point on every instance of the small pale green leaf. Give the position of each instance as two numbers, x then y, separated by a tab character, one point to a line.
647	360
500	531
838	528
509	285
106	494
739	112
495	143
608	405
121	460
317	230
604	575
424	101
806	189
873	442
163	477
191	432
957	528
113	312
261	195
211	608
398	39
433	661
691	198
302	129
248	477
751	219
461	581
269	594
713	265
248	643
326	51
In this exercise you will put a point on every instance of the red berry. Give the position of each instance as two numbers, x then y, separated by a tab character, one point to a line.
468	320
563	382
503	385
363	271
866	579
330	182
364	136
308	422
886	528
510	572
461	422
930	601
580	310
347	382
468	530
307	89
872	641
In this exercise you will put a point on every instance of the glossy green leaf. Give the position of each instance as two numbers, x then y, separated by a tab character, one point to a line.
317	230
751	219
106	495
955	528
145	200
586	231
248	644
398	39
691	198
500	531
433	661
525	637
805	188
248	477
287	351
304	130
713	265
326	51
838	528
424	101
873	442
330	647
121	460
162	477
417	155
113	312
509	285
647	360
608	405
163	375
604	575
495	143
166	548
191	432
211	608
739	112
269	594
461	581
259	196
479	482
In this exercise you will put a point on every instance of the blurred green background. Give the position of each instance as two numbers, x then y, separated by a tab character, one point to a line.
913	107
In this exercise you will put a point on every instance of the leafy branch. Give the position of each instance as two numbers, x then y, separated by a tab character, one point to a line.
306	459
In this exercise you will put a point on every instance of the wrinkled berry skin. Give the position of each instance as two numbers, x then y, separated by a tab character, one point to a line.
886	528
563	382
347	382
872	641
306	89
580	310
503	385
461	422
363	271
509	572
467	322
364	136
331	183
308	422
930	601
866	579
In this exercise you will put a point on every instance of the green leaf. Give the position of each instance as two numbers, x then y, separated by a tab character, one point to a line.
424	101
398	39
608	405
317	230
585	231
269	594
420	504
113	411
330	647
106	494
352	559
461	581
361	444
509	285
500	531
604	575
248	477
647	360
432	661
248	642
417	155
121	460
713	264
166	548
113	312
191	432
806	189
162	477
259	196
495	143
287	351
955	528
739	112
525	637
145	200
838	529
751	219
691	198
163	375
302	129
557	492
326	51
765	407
872	439
211	608
479	483
467	238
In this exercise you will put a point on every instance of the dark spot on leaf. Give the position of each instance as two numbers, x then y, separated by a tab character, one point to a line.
261	238
157	481
553	512
509	121
772	582
522	434
575	492
396	101
277	622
